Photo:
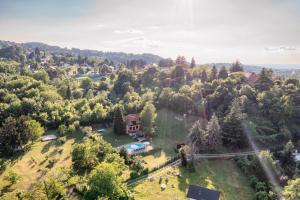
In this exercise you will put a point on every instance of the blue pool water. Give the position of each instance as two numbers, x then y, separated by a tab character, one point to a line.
134	146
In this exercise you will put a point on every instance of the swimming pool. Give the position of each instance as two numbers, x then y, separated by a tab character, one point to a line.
135	147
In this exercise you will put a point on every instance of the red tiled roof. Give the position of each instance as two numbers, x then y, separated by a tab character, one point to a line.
132	117
252	77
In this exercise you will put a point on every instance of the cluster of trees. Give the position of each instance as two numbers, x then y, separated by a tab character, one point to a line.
17	132
205	135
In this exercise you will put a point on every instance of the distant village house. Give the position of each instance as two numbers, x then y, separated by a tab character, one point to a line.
251	77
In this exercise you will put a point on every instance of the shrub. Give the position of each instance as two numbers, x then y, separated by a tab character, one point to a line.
191	167
261	195
87	131
51	163
77	125
137	164
62	140
60	151
145	171
260	186
71	129
62	129
12	177
3	164
134	174
253	182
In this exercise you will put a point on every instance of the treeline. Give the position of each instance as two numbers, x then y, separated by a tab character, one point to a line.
115	57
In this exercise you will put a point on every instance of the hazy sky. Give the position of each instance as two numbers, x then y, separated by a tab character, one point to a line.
255	32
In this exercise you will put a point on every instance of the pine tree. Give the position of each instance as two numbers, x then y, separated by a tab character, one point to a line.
203	76
119	125
233	132
264	81
236	67
198	137
223	74
193	63
214	132
69	92
213	73
148	116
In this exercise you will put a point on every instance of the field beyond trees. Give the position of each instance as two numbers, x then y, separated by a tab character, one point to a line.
221	175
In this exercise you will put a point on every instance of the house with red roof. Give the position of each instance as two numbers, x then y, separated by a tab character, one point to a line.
133	124
251	77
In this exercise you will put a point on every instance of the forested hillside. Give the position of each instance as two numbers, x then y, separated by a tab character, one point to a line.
116	57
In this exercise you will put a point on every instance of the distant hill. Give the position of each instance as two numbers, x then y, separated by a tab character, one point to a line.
116	57
287	70
247	68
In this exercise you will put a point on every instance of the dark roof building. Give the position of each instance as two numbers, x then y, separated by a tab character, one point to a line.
200	193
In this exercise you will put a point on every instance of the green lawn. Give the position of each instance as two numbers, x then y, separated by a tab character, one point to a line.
221	175
169	132
30	171
114	139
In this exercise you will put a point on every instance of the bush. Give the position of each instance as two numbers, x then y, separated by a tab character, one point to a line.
3	164
137	164
191	167
261	195
51	163
134	174
62	140
260	186
71	129
12	177
145	171
77	125
62	129
253	182
87	131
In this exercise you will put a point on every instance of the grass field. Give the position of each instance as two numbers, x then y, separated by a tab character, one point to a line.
169	132
221	175
114	139
33	165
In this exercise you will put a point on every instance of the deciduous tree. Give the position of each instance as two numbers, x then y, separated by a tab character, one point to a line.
148	116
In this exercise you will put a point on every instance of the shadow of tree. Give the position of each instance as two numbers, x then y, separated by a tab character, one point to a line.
53	143
183	179
6	189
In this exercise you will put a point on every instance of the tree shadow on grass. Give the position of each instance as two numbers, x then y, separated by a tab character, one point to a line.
184	179
6	189
78	136
53	143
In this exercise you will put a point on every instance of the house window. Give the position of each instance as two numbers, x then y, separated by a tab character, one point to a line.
133	122
136	127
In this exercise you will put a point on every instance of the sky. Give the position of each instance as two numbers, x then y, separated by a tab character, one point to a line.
254	32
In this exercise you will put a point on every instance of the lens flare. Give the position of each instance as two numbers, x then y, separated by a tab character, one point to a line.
269	172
